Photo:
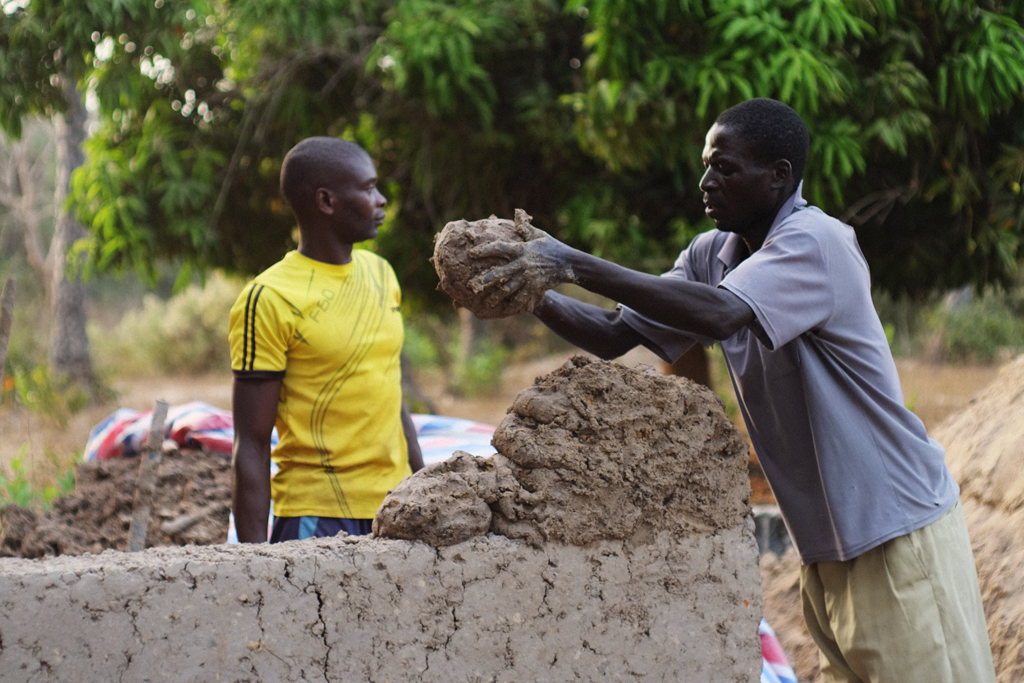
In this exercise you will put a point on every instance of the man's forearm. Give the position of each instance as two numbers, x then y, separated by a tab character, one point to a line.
589	327
689	306
250	491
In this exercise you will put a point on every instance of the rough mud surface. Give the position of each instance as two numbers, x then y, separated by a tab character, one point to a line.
985	452
457	270
489	609
639	564
593	451
192	502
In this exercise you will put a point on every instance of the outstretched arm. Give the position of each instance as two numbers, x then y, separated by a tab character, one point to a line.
591	328
254	404
685	305
689	306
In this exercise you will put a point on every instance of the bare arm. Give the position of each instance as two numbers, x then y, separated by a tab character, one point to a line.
415	454
254	404
689	306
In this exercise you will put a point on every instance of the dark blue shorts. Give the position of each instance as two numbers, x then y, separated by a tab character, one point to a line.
299	528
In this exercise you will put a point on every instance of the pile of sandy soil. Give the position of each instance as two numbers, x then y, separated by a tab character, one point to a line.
191	506
985	452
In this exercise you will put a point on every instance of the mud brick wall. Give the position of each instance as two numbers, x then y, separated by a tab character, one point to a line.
488	609
610	539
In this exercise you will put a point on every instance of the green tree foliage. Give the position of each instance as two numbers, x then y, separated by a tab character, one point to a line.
46	55
457	102
589	114
915	110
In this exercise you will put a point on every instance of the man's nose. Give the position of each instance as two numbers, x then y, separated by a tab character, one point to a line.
381	199
708	181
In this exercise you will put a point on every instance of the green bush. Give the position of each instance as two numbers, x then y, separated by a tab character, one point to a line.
980	331
17	488
482	371
43	394
186	334
957	328
420	349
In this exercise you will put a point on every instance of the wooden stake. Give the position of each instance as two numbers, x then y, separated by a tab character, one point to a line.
6	320
146	485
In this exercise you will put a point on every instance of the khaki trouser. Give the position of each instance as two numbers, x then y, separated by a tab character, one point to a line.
908	610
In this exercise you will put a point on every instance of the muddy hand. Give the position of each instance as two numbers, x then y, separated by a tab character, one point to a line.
537	263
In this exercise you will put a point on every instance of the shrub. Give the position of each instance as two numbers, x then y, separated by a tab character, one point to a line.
43	394
17	487
186	334
480	372
980	331
420	349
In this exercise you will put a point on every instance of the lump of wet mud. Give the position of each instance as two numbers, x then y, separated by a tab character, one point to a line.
592	451
457	270
443	505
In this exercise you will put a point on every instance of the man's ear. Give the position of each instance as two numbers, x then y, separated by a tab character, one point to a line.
782	173
324	199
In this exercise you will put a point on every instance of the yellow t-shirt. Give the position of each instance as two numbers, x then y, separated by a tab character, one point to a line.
333	334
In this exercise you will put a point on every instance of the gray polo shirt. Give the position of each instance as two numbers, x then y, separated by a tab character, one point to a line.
849	465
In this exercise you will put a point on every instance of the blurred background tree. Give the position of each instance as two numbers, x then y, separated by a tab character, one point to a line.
590	115
48	51
916	113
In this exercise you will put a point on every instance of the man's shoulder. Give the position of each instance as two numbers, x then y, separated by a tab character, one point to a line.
377	267
810	217
369	256
271	288
374	260
705	245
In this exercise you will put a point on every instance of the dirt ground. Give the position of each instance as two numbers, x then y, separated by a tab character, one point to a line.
195	488
191	505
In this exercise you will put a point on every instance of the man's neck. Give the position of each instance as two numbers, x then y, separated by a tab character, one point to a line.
754	238
335	253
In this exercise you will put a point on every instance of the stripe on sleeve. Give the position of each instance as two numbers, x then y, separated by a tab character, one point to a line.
252	329
245	328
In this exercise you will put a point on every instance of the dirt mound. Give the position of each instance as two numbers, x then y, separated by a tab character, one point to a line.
456	269
191	506
983	451
593	451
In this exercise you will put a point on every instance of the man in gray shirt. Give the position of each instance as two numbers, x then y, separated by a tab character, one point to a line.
888	582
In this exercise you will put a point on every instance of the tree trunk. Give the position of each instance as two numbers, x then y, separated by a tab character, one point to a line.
6	320
69	345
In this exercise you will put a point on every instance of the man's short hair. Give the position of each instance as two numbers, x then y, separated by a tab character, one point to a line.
313	163
772	129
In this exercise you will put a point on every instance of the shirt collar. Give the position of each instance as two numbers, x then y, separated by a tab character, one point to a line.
730	252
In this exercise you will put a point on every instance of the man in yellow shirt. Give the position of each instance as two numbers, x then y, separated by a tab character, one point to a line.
315	347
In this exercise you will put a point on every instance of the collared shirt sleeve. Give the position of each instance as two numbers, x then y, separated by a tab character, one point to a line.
787	283
259	334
